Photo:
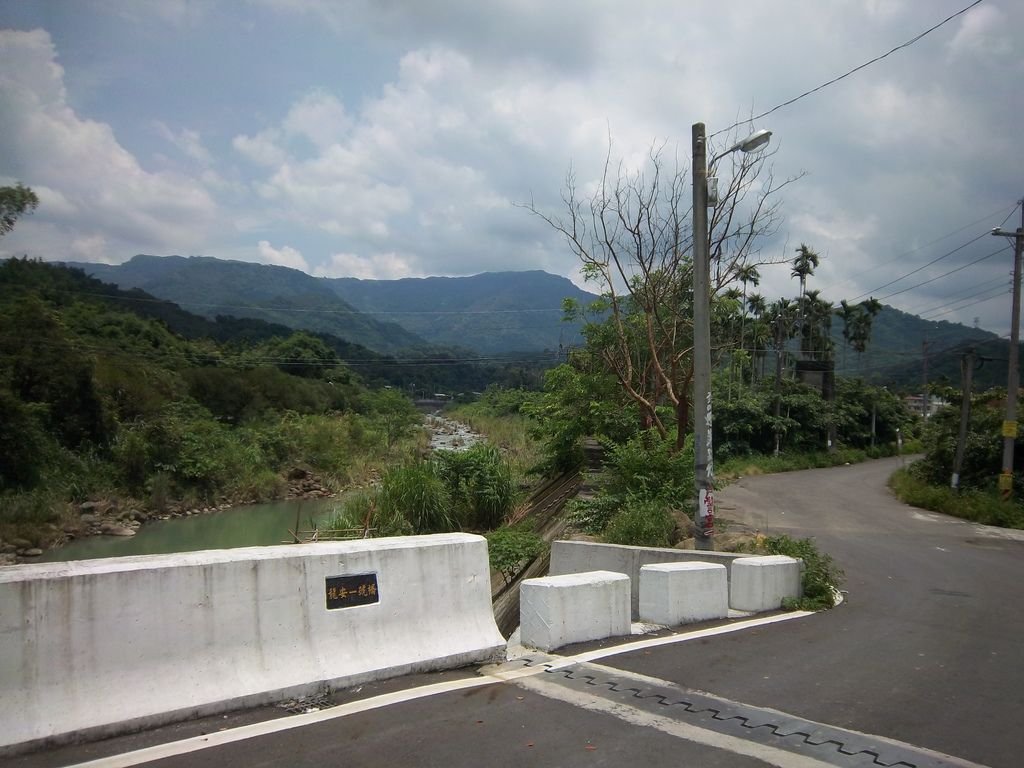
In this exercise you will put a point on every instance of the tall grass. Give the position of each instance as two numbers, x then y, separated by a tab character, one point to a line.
977	506
417	492
757	464
509	433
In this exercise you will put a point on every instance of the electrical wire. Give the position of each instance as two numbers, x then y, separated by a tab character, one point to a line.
834	80
988	285
944	274
1001	288
919	248
965	306
923	266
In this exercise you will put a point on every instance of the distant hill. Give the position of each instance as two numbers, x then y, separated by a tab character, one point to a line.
496	313
896	355
212	287
493	313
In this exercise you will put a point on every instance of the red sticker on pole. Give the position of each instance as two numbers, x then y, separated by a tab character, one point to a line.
707	512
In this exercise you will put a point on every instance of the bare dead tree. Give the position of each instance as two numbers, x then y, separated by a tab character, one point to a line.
634	239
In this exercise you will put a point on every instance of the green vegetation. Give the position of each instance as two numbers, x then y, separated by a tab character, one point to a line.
646	485
821	578
464	490
926	483
978	506
502	415
509	549
98	401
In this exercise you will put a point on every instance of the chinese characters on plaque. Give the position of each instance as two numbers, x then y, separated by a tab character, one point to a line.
350	591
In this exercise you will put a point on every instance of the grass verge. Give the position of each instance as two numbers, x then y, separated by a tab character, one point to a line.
977	506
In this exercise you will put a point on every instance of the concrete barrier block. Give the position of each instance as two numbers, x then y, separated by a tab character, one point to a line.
581	556
762	583
680	593
96	647
558	610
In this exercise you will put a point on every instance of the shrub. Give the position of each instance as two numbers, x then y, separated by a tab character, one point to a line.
509	549
649	467
641	523
417	493
480	483
821	579
984	507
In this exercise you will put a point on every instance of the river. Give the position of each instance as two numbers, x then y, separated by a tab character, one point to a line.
252	525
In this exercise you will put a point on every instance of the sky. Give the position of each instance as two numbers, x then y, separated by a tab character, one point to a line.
400	138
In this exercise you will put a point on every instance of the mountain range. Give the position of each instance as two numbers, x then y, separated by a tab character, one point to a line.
496	313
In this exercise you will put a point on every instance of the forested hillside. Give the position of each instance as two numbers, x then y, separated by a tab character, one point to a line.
212	287
900	342
493	312
107	393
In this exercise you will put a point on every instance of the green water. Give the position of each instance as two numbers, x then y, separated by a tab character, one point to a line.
248	526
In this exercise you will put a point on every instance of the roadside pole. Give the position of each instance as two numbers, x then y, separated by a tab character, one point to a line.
966	373
1013	378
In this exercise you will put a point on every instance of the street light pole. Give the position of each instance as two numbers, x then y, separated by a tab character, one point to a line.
704	468
703	457
1013	378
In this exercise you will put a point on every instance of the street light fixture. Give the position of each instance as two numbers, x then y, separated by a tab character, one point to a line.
704	475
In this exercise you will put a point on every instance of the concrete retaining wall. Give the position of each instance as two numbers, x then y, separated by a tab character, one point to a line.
101	646
582	556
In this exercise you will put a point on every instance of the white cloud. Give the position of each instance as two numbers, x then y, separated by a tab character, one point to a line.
78	163
187	141
262	149
282	257
983	32
379	266
320	117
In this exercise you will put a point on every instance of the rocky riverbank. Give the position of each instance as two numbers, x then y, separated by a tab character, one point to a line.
123	517
114	516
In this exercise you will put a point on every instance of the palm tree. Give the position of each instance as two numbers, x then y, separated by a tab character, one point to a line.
848	314
756	304
804	264
746	274
857	322
781	312
816	326
760	339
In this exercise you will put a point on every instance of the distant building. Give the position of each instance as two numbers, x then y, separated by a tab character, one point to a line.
915	404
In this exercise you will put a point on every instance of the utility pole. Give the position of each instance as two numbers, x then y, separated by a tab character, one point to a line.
703	460
704	472
966	372
1013	378
778	382
924	378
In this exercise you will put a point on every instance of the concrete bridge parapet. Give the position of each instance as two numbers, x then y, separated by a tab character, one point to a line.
96	647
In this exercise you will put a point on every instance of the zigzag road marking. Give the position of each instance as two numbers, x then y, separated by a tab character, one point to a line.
775	737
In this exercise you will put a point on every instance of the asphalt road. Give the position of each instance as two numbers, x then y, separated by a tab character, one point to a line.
925	650
927	647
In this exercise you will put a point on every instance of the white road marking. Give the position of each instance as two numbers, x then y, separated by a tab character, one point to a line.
491	676
654	681
771	755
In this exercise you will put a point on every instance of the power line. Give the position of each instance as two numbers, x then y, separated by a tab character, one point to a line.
944	274
834	80
923	266
999	290
989	285
1002	292
903	255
